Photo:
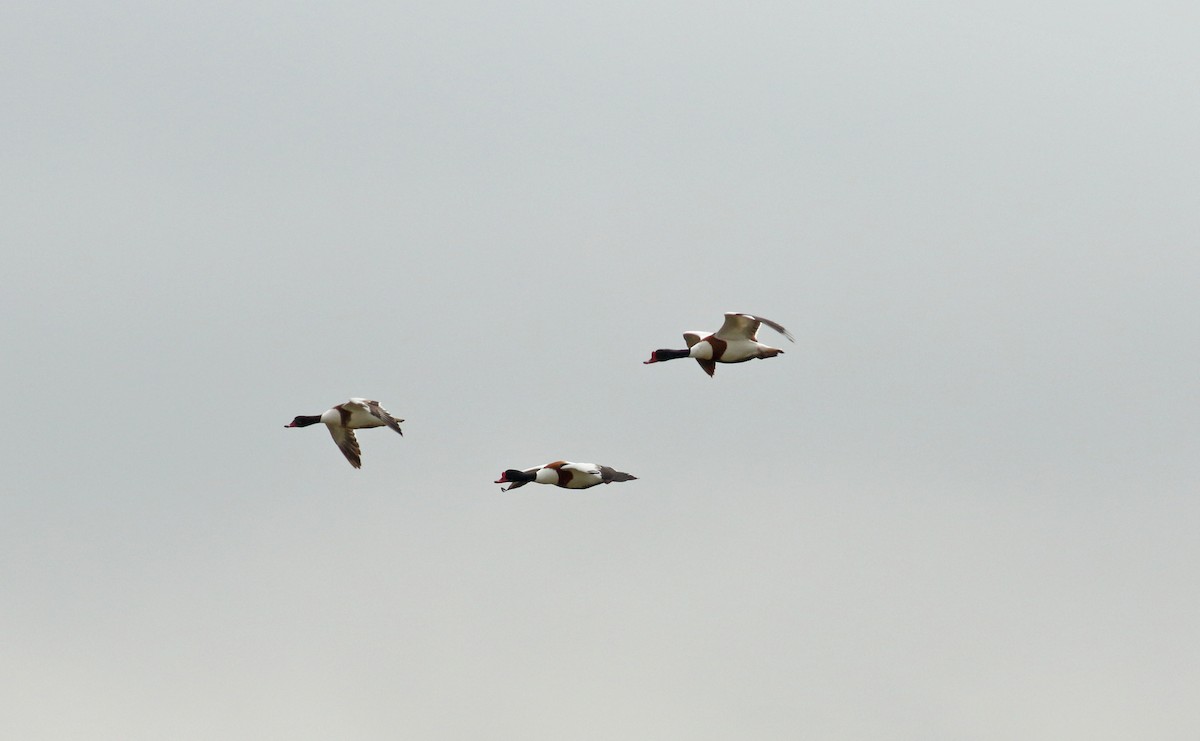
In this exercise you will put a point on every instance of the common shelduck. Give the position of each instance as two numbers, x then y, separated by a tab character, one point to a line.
566	474
343	419
735	342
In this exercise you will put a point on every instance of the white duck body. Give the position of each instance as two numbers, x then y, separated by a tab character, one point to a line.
738	350
570	475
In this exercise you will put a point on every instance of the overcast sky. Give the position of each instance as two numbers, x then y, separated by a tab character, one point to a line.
962	506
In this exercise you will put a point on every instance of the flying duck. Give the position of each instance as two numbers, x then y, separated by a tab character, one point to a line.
566	474
343	419
735	342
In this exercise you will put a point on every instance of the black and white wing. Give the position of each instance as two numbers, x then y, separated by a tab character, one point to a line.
740	326
383	415
348	444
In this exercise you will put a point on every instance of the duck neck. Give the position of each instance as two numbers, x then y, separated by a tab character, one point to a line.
661	355
306	420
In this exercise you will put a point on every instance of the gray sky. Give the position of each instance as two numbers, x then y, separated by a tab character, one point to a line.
962	505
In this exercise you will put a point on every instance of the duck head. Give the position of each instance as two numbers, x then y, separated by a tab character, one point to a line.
304	420
512	475
659	356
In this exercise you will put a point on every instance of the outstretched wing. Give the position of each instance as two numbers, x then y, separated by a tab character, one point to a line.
709	366
348	444
739	326
692	338
777	327
383	414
